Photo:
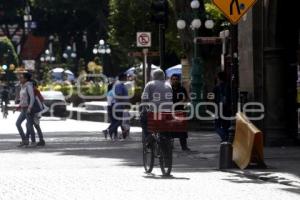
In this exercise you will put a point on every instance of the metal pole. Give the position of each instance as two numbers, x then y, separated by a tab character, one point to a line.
145	52
149	70
162	45
234	68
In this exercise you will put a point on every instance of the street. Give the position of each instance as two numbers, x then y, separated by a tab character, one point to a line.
78	163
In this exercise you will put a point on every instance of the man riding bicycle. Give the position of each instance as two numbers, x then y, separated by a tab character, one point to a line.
158	123
157	96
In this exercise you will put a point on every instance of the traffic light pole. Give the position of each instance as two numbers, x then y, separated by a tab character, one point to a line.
162	45
234	68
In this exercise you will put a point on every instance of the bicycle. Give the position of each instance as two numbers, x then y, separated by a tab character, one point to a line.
159	142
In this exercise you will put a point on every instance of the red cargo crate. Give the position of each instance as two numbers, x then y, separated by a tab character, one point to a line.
166	122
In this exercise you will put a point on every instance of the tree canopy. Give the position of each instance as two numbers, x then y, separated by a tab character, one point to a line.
87	21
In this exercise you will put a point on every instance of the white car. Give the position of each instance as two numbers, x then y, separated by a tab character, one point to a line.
56	102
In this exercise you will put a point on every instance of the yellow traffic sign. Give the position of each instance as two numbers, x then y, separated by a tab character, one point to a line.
234	9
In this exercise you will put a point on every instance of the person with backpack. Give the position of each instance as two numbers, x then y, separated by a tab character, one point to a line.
120	96
223	102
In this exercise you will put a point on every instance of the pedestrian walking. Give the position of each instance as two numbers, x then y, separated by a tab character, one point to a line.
223	102
26	110
120	96
37	116
110	103
4	101
179	96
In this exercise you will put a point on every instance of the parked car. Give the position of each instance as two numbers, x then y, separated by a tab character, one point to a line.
56	102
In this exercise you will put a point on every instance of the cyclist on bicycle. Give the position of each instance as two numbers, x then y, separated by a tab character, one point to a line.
158	95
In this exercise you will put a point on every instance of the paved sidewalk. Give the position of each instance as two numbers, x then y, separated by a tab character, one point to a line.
78	163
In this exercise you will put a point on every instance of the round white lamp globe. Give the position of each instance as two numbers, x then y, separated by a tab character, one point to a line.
195	4
209	24
196	23
181	24
101	42
95	51
108	51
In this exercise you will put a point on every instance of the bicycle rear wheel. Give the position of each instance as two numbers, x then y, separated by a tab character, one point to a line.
148	157
166	157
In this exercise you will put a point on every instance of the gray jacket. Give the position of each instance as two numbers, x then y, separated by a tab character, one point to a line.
26	95
158	93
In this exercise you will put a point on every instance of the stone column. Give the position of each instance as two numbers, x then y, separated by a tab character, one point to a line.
275	123
186	76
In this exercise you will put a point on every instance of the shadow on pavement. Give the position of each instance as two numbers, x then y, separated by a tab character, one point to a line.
258	177
160	177
202	159
128	152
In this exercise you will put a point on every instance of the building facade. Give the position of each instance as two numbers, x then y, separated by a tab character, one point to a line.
268	41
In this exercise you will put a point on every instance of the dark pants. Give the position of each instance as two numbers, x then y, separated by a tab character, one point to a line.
222	129
39	131
143	121
29	125
116	121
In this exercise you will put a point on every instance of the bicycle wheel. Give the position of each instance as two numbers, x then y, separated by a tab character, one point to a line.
148	157
165	158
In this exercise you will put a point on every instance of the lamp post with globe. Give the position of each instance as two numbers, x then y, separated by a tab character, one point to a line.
197	71
70	55
47	59
103	49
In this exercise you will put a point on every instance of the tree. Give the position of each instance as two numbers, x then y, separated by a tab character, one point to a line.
11	14
8	57
8	54
70	20
128	17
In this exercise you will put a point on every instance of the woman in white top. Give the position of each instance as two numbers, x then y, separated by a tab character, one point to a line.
26	103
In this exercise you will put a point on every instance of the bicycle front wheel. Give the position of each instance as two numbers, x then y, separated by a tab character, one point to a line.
166	157
148	157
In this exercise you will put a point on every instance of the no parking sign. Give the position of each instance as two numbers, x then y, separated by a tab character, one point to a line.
143	39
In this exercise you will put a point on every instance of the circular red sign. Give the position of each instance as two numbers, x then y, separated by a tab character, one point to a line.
144	39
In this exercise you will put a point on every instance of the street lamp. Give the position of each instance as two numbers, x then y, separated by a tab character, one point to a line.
47	57
197	72
101	48
69	53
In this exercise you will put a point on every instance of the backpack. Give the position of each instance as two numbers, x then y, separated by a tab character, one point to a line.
37	105
38	94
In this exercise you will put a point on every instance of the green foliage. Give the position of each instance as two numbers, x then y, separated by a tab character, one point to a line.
11	11
214	12
70	16
87	89
128	17
8	54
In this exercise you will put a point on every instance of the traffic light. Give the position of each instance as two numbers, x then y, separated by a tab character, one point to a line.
159	11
